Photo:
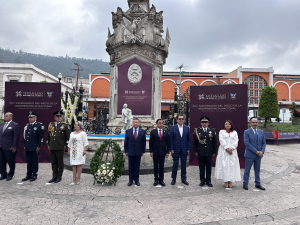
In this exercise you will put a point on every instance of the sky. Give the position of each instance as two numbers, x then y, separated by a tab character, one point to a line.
206	35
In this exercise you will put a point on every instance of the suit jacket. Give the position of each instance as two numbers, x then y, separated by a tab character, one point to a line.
58	136
135	147
33	136
157	146
207	146
253	144
177	142
10	137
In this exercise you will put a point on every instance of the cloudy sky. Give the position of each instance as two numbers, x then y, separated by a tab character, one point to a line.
207	35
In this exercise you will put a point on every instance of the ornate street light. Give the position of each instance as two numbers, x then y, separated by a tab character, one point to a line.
59	76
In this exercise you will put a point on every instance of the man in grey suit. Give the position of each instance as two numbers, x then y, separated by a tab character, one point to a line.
9	139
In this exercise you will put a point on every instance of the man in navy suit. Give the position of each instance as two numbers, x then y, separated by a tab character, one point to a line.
134	147
180	144
9	139
159	145
255	143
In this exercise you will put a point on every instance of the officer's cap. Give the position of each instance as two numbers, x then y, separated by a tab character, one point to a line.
32	114
204	119
58	113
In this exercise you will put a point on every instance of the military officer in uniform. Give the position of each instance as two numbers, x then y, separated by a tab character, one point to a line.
33	140
205	147
57	141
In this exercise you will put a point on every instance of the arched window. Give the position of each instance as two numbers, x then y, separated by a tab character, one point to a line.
255	85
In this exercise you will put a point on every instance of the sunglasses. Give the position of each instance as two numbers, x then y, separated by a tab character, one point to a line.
180	119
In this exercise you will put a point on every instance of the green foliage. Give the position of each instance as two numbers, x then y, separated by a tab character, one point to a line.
98	159
268	104
295	121
55	65
282	127
43	81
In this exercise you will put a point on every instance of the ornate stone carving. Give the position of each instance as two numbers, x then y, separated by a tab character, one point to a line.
135	74
135	8
134	31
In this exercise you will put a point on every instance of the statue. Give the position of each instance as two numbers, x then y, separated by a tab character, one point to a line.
126	118
134	31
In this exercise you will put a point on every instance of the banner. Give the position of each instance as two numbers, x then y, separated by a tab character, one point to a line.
220	103
41	98
135	87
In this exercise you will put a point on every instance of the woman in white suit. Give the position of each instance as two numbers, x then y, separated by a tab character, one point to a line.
227	163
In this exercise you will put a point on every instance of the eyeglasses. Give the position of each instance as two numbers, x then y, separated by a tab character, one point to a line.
180	118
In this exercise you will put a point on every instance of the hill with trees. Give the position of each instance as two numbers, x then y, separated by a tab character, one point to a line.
53	64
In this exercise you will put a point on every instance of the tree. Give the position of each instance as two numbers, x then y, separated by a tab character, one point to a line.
268	104
292	108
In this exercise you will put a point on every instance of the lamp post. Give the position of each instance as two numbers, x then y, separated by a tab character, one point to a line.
229	81
59	76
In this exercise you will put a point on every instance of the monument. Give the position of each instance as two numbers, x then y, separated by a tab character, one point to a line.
137	52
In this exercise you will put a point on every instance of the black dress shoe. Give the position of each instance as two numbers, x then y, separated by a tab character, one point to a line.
209	185
260	187
3	177
129	183
185	182
26	178
137	183
162	183
202	184
155	183
57	180
8	178
52	180
245	186
33	178
173	182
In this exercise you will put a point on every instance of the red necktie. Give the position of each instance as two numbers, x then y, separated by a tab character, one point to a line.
160	135
135	134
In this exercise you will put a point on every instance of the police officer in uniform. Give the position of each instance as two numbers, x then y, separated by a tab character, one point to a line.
205	147
57	141
33	141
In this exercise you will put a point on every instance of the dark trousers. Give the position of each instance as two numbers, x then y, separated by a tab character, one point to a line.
248	164
32	158
159	162
57	162
134	167
205	168
7	156
183	158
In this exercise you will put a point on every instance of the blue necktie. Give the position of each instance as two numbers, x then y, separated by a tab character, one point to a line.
256	135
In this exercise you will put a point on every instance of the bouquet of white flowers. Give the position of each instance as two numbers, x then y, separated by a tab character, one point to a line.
105	174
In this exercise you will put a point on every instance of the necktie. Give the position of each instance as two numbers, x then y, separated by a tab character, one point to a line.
160	135
135	134
4	127
205	131
256	135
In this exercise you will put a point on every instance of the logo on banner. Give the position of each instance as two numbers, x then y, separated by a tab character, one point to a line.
126	92
201	96
233	96
212	97
49	94
143	92
134	74
18	93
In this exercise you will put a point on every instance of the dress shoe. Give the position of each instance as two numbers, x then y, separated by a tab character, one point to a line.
209	185
202	184
52	180
26	178
129	183
155	183
57	180
245	186
137	183
8	178
260	187
173	182
185	182
33	178
3	177
162	183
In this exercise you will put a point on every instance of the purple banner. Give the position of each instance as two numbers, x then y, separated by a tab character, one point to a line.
220	103
283	135
41	98
135	87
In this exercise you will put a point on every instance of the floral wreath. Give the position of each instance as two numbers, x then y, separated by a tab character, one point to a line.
70	108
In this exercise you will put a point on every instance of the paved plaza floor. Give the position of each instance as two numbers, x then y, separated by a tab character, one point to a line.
37	203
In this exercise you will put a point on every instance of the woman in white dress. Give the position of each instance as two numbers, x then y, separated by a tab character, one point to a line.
78	144
227	163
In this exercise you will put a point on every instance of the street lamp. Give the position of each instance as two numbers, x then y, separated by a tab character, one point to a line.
59	76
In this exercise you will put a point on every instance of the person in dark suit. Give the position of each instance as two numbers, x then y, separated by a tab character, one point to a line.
159	145
9	139
205	147
134	147
57	141
180	145
255	143
33	140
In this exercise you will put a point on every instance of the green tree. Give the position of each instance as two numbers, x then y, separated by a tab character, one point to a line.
292	108
268	104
